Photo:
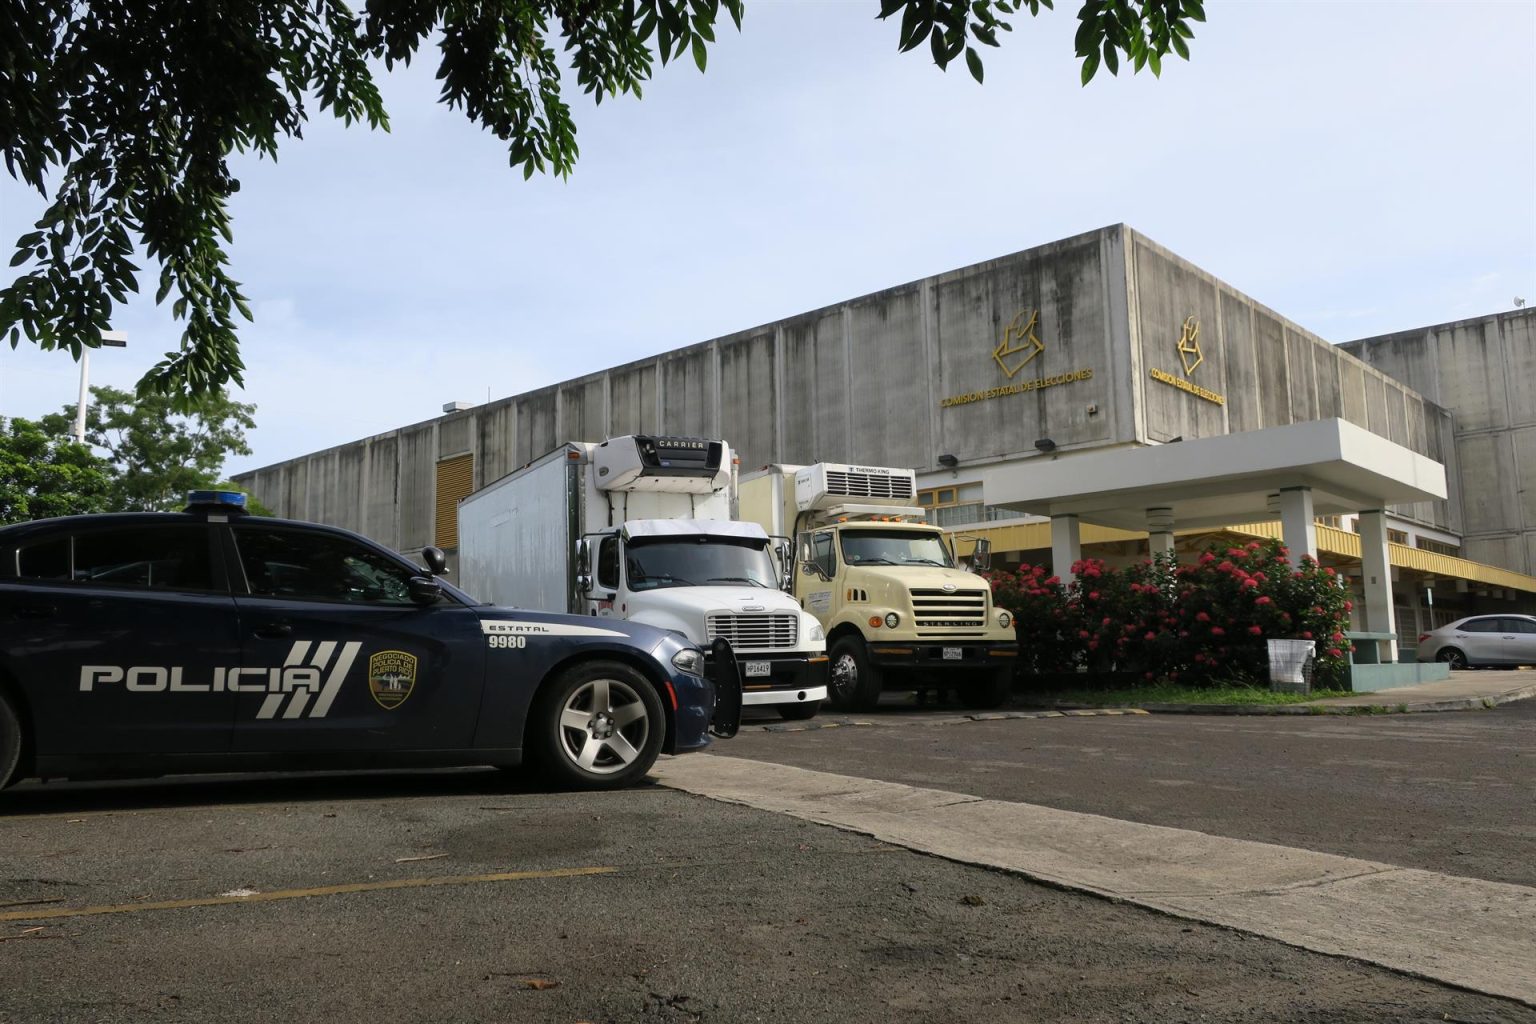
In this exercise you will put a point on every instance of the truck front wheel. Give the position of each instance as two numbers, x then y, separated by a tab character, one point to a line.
855	683
598	726
10	741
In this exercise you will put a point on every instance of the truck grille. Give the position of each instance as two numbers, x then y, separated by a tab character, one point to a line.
869	485
755	632
963	609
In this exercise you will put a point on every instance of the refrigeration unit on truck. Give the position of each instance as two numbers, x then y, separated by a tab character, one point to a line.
639	528
897	610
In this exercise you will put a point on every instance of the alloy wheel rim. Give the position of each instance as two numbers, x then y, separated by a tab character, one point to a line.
604	726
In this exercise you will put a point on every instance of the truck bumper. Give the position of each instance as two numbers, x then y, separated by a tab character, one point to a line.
945	655
797	679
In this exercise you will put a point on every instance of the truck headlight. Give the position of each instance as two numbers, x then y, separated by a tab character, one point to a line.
1004	620
818	635
689	661
892	620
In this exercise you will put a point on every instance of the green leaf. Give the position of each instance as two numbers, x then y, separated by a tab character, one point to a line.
973	61
1090	66
700	52
1180	46
1155	63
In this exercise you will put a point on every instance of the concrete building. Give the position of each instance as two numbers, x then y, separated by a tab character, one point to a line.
981	376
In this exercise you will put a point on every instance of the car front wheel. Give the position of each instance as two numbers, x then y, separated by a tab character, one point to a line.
598	726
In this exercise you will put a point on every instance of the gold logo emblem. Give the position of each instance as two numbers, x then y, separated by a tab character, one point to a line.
1189	345
1018	340
391	678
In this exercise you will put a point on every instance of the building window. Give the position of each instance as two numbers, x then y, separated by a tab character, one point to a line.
936	497
455	481
1438	547
1397	537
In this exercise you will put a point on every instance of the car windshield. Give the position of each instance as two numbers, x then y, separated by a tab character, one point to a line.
698	562
895	547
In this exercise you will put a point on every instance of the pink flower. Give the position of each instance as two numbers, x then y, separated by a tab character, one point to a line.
1052	581
1207	558
1183	633
1093	645
1336	637
1255	630
1349	606
1202	617
1218	631
1330	571
1235	552
1306	634
1334	652
1105	622
1083	634
1250	583
1226	567
1150	636
1093	595
1263	599
1253	545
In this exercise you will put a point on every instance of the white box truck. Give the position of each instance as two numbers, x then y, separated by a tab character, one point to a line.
885	585
639	527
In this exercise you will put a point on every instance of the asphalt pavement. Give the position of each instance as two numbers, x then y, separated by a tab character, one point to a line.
468	896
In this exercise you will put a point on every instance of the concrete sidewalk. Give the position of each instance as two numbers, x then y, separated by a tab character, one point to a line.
1466	932
1484	688
1464	691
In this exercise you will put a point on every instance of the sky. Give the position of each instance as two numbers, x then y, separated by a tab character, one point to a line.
1360	167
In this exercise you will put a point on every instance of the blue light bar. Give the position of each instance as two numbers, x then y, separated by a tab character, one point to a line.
231	501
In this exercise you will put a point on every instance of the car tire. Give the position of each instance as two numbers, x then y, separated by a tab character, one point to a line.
10	742
854	683
599	725
1453	657
989	692
799	712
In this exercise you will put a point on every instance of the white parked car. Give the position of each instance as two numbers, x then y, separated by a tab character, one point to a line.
1482	640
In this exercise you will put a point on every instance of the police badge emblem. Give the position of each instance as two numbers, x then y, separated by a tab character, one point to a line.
391	678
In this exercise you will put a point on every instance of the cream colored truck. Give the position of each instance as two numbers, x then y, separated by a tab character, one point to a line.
884	584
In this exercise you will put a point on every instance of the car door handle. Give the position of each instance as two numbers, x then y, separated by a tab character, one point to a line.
274	630
36	611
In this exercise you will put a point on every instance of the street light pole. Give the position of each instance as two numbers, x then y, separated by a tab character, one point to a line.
109	339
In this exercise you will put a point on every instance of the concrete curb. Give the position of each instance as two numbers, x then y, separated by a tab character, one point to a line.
1381	705
979	716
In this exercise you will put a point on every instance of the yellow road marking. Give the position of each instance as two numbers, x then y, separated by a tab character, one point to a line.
299	894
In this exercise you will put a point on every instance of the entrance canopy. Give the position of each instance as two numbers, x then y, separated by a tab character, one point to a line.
1222	480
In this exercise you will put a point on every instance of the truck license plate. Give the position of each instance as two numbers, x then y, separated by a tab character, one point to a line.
952	653
752	669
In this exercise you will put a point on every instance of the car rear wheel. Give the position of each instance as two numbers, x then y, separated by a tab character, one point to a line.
1453	657
10	742
799	712
598	726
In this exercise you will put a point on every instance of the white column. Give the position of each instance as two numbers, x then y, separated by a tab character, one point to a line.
1066	546
1376	574
1160	531
1297	524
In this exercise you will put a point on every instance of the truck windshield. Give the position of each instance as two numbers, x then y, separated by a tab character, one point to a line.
698	562
895	547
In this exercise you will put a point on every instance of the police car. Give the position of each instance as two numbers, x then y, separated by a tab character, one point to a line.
147	643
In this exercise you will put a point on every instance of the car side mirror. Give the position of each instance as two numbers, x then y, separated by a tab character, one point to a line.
425	589
437	562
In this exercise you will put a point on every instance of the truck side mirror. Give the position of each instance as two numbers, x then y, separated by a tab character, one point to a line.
583	565
981	558
784	552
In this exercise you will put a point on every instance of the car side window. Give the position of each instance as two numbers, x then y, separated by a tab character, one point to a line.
608	563
1519	626
43	560
319	567
1480	626
155	557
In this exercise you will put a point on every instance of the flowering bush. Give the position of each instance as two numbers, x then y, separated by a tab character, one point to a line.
1205	621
